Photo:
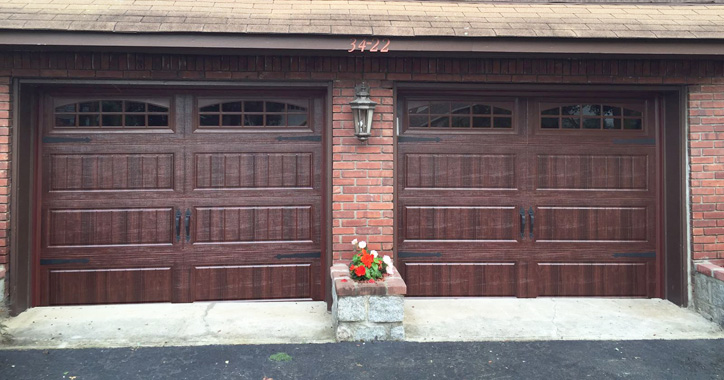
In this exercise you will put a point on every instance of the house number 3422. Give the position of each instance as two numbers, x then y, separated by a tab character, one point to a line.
373	45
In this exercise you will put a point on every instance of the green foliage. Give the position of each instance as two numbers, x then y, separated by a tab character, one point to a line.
366	265
280	357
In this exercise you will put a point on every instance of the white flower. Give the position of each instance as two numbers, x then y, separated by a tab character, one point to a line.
387	260
362	244
374	253
354	242
390	269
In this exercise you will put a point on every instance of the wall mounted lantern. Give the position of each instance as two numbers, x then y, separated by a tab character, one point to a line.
363	108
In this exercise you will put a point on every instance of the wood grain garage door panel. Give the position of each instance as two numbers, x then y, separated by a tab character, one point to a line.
601	279
111	172
593	224
253	170
450	223
461	279
215	283
460	171
105	286
253	224
110	227
593	172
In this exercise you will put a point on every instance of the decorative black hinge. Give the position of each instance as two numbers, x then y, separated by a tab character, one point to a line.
63	261
55	140
306	255
403	255
299	138
646	255
417	139
635	141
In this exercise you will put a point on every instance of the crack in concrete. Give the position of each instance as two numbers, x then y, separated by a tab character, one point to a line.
206	314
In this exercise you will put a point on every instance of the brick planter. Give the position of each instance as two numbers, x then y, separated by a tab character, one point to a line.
366	311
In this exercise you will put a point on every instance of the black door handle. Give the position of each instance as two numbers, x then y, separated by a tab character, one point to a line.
187	223
522	223
532	221
177	225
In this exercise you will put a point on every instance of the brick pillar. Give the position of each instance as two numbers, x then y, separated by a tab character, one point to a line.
706	149
362	176
5	114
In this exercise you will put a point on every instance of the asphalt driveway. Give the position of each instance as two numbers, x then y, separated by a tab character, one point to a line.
651	359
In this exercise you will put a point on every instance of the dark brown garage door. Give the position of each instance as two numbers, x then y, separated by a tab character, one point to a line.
528	196
156	197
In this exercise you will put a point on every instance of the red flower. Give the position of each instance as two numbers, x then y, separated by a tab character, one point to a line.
367	260
360	271
371	281
351	267
344	280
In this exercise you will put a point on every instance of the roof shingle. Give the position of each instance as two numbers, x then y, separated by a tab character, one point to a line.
368	17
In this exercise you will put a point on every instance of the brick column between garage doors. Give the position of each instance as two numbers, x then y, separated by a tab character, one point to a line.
706	139
5	114
362	176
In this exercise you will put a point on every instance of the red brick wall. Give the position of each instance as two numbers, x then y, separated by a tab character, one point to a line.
5	115
706	135
363	172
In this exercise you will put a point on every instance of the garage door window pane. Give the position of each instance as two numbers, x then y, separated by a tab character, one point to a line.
88	120
458	115
611	123
570	123
275	107
135	107
231	107
253	113
66	108
549	123
591	123
88	107
112	120
231	120
501	111
112	106
481	122
158	120
112	113
253	120
209	120
440	122
418	121
502	122
135	120
275	120
297	120
461	108
591	117
253	106
65	120
632	124
440	108
461	122
211	108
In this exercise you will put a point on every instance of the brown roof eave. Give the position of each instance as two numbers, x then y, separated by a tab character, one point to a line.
218	43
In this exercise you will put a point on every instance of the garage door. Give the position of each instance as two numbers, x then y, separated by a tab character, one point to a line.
151	196
528	196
